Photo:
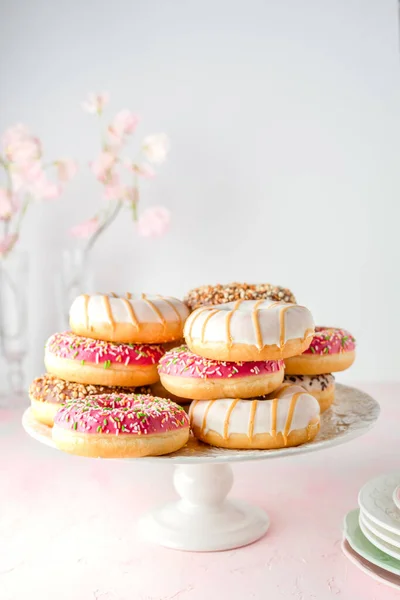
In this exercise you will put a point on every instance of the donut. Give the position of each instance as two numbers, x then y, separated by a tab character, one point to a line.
207	295
120	426
322	387
331	350
137	319
84	360
249	330
191	376
48	393
290	418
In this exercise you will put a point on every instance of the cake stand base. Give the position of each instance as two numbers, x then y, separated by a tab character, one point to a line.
203	519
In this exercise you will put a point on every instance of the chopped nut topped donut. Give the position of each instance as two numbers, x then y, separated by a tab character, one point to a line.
230	292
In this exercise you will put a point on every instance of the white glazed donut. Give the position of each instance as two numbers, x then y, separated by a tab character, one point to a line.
322	387
249	330
289	417
137	319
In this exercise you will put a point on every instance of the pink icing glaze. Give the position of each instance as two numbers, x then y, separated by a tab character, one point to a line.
75	347
183	363
330	340
122	413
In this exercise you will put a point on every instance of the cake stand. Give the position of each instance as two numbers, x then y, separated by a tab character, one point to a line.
204	519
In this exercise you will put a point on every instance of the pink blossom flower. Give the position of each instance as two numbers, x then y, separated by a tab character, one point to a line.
95	103
8	205
114	191
85	229
155	147
124	123
153	222
44	189
7	243
20	146
23	176
142	169
102	166
66	169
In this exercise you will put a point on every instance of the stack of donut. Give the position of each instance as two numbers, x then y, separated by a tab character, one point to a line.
331	350
232	367
96	390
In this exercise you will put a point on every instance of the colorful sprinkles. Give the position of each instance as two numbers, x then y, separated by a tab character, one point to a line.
181	362
85	350
121	413
330	340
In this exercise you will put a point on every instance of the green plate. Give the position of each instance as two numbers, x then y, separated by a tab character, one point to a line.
364	548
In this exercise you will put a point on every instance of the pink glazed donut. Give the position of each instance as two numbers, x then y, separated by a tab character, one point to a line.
331	350
188	375
84	360
120	426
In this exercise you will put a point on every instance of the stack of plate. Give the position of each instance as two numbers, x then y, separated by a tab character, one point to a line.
372	532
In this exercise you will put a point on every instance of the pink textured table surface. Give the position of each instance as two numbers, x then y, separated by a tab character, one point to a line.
67	524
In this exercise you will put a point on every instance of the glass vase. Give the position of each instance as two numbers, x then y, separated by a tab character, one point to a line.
14	273
74	277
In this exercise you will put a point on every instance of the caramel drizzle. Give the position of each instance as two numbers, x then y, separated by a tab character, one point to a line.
176	311
256	324
191	409
204	421
155	309
228	416
203	327
282	325
195	316
107	306
131	312
86	309
274	410
251	419
113	295
228	322
289	416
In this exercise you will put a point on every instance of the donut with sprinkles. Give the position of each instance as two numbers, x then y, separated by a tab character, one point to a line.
84	360
207	295
120	426
188	375
322	387
48	393
331	350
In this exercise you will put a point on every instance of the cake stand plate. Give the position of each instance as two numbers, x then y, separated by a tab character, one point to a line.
204	519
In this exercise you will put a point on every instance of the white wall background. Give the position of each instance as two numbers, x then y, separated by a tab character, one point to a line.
284	121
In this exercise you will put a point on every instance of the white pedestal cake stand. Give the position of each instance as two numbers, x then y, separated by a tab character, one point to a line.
204	519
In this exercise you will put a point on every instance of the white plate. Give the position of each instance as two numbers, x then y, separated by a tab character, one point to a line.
378	542
396	497
370	569
380	532
376	501
352	414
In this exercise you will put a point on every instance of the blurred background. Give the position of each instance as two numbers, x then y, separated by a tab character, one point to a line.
284	164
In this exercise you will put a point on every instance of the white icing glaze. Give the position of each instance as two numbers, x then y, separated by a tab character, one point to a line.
297	321
315	383
306	409
143	307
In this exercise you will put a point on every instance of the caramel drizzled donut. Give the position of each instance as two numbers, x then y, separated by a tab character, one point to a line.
231	292
120	426
289	418
331	350
130	318
249	330
191	376
84	360
322	387
48	393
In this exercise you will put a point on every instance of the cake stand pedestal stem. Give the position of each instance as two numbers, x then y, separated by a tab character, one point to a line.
204	519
